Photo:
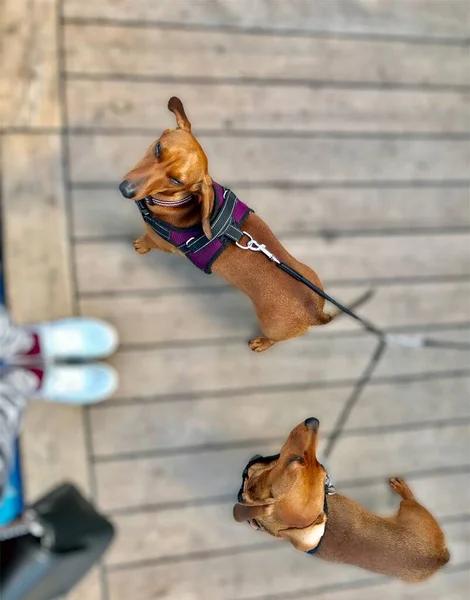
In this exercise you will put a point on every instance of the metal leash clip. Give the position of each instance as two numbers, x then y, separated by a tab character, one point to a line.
257	247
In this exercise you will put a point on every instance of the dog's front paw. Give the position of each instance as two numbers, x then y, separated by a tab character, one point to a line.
140	246
399	485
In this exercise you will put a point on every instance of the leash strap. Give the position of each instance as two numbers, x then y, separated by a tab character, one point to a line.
257	247
367	325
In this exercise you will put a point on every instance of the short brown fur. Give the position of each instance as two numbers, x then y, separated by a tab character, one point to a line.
286	498
285	308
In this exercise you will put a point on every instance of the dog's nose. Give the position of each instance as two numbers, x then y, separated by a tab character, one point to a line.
312	423
127	189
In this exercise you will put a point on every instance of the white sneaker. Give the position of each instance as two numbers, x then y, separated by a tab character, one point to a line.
78	384
74	338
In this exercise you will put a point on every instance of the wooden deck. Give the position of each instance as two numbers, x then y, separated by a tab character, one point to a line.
356	114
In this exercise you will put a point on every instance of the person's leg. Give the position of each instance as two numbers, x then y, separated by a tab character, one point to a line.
16	388
68	384
13	340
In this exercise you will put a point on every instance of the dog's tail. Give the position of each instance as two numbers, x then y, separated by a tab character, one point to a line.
365	297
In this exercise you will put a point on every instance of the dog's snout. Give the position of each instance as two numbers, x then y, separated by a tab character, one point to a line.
127	189
312	423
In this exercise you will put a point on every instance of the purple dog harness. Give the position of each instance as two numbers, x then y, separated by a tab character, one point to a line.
228	217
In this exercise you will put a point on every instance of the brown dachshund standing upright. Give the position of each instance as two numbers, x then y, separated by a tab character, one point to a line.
173	182
288	497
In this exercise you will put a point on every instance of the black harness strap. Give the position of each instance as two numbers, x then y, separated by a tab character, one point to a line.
158	226
221	224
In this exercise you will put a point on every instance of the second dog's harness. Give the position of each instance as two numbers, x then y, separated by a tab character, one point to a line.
228	217
329	491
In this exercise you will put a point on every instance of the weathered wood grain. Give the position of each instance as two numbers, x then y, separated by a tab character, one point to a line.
226	419
29	89
309	360
37	257
419	17
214	54
448	584
251	108
223	366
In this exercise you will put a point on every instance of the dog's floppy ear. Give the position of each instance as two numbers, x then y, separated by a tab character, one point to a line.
244	512
206	199
176	107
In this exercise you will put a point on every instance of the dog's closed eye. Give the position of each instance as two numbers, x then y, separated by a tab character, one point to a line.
158	150
175	181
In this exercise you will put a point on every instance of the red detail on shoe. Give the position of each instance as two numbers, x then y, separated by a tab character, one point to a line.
39	374
36	349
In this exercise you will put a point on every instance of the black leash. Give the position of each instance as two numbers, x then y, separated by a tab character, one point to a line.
296	275
401	340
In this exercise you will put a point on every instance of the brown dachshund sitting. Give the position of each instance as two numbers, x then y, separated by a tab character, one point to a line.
288	496
173	189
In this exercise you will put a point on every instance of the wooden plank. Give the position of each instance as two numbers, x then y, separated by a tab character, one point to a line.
392	306
223	419
278	570
97	158
215	420
112	104
29	90
392	453
115	266
434	400
448	584
38	268
258	574
229	366
140	534
189	477
167	52
39	287
319	210
419	17
421	360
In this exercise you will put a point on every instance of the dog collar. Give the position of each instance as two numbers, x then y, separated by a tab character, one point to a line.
330	490
152	201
